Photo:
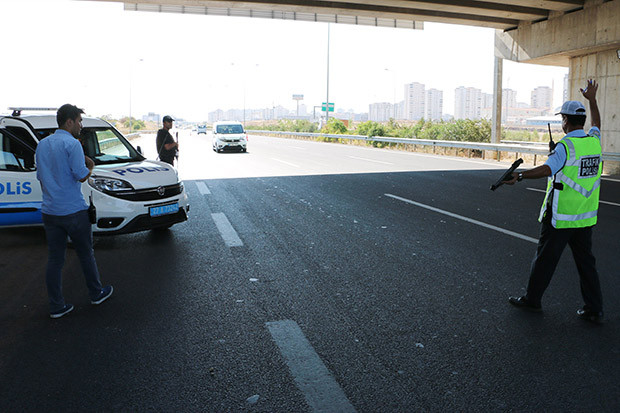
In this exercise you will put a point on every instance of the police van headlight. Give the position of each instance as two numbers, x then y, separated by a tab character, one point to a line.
103	184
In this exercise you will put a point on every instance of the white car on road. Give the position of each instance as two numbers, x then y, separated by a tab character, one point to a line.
229	136
130	192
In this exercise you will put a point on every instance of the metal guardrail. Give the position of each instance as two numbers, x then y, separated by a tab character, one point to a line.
481	146
134	134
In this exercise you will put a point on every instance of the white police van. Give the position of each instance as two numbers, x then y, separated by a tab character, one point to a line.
229	136
130	192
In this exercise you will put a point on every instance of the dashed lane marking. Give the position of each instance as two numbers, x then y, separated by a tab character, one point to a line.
203	188
286	163
320	389
369	160
470	220
600	202
228	233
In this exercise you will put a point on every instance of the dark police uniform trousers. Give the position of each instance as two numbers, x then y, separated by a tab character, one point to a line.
550	247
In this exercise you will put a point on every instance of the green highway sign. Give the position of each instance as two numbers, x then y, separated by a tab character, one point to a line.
324	107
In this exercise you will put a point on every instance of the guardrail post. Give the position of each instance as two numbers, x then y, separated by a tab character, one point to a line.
498	156
534	159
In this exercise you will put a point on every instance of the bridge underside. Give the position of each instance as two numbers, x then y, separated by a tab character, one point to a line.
501	15
583	35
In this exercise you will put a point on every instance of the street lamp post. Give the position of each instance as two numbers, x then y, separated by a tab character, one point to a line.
327	100
130	82
393	91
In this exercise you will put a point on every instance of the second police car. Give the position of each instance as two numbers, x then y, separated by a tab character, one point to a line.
129	192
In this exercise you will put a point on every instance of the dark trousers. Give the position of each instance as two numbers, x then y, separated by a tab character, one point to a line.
78	227
170	161
550	247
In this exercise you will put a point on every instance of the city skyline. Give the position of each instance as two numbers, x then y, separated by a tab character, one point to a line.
191	65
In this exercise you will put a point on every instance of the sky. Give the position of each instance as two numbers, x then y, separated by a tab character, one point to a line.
113	62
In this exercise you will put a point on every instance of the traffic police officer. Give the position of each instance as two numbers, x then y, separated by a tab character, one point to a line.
570	208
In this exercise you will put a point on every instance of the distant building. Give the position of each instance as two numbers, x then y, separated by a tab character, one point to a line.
434	104
487	100
415	98
565	91
467	103
509	98
544	120
380	112
542	98
152	117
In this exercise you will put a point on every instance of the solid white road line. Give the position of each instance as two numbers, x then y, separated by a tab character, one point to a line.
610	179
227	231
369	160
202	187
320	389
473	221
600	202
286	163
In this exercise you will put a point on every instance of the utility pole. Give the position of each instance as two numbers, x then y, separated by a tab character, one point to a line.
327	102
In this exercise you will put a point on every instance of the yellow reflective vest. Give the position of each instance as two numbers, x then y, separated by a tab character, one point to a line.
574	189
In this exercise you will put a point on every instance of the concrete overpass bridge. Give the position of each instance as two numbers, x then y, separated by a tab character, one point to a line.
583	35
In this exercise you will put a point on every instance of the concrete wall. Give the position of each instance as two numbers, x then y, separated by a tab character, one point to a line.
587	41
605	68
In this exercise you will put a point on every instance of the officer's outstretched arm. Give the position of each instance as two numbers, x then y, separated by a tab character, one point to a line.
590	94
541	171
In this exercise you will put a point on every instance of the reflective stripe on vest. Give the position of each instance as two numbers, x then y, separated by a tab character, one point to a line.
576	204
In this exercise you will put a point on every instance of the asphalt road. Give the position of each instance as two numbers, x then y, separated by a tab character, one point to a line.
337	294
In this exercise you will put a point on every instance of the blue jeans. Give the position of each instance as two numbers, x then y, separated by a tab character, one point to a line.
78	227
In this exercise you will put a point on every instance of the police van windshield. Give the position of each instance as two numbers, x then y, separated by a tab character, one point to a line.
106	146
228	129
103	145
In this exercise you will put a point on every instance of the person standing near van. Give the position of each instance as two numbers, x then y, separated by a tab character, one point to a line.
61	169
166	146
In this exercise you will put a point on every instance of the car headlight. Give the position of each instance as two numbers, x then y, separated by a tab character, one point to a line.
104	184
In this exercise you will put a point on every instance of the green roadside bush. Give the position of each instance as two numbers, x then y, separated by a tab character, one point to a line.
467	130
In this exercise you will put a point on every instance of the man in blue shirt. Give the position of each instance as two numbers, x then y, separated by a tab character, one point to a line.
61	169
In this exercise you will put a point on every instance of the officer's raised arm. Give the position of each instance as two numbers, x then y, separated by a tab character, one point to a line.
590	94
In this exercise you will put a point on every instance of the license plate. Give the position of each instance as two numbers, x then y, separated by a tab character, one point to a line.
164	210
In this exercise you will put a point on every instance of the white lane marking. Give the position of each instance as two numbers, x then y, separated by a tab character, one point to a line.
369	160
610	179
600	202
284	162
203	188
320	389
473	221
227	231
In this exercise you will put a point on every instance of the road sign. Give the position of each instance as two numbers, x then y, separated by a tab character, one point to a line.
324	107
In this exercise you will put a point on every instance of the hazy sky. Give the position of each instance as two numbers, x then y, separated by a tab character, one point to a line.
93	53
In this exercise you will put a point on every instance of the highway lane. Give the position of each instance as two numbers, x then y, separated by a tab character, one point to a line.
405	307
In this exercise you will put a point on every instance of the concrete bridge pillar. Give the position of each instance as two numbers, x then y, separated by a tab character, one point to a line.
586	41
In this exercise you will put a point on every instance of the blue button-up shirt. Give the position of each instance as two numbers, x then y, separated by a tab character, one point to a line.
60	166
557	160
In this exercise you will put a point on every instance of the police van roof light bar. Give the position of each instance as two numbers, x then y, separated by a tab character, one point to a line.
17	111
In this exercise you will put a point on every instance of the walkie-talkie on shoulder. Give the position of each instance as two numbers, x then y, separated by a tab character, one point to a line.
551	143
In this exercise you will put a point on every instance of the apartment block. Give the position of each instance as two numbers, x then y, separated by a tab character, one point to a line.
434	104
415	98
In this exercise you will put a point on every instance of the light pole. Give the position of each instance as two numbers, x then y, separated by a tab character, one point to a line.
327	100
130	81
393	91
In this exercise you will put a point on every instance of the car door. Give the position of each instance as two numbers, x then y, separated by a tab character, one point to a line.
20	192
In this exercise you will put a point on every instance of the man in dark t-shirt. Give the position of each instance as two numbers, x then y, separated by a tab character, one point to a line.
166	146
